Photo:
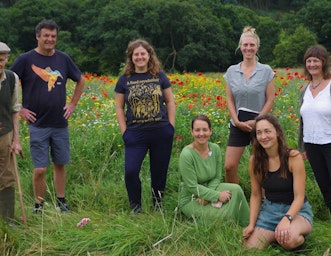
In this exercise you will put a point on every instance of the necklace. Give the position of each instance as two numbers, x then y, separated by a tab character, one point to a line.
315	86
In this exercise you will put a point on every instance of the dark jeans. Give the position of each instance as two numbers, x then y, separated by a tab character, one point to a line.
137	143
319	157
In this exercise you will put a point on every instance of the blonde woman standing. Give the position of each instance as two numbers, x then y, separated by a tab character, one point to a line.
250	91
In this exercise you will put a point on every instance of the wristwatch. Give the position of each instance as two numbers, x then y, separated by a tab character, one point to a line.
289	217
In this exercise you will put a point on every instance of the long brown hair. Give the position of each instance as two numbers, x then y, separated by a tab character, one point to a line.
261	160
154	66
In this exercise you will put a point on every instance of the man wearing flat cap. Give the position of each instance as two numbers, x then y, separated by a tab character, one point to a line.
9	134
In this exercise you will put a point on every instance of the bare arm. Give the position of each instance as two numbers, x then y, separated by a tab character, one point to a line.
298	170
16	106
171	107
119	105
233	111
16	144
69	108
296	165
231	105
255	200
27	114
270	97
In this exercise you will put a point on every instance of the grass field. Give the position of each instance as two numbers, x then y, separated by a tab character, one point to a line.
96	190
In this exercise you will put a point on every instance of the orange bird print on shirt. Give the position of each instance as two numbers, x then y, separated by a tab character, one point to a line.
47	75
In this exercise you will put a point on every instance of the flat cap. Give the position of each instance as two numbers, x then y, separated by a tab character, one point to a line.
4	48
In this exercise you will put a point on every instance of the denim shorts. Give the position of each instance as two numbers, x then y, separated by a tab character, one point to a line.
272	213
49	141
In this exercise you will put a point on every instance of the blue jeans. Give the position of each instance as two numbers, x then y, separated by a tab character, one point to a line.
158	142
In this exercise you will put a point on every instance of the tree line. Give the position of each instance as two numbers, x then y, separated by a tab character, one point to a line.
188	35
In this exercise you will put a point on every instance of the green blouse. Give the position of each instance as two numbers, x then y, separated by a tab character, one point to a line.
200	177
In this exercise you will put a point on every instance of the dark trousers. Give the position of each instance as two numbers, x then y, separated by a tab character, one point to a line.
158	142
319	157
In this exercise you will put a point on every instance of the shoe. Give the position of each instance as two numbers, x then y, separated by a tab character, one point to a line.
38	208
63	207
136	209
158	207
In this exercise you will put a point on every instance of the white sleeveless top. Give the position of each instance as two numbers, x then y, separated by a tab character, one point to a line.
316	117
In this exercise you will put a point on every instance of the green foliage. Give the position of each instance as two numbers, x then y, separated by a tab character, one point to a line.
268	31
316	16
184	36
190	35
273	4
290	51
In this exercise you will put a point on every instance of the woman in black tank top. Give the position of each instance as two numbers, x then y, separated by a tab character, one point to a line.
282	214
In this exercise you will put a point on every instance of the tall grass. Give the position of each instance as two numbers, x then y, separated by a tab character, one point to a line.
96	190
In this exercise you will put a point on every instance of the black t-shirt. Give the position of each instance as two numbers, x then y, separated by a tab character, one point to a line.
144	99
43	80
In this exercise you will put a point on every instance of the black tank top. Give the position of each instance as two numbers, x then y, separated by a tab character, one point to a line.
278	189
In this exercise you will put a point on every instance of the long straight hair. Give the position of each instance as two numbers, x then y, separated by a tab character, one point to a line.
261	159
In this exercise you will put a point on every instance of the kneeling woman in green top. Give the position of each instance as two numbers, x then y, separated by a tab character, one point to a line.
202	193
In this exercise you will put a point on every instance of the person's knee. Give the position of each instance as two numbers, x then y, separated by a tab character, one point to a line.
253	243
234	187
131	174
293	242
39	172
230	167
59	167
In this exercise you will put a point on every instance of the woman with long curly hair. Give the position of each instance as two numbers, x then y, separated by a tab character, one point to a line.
147	122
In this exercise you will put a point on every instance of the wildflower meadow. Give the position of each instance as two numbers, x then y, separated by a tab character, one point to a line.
101	223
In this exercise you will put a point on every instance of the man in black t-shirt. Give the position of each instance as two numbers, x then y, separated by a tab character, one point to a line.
43	72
